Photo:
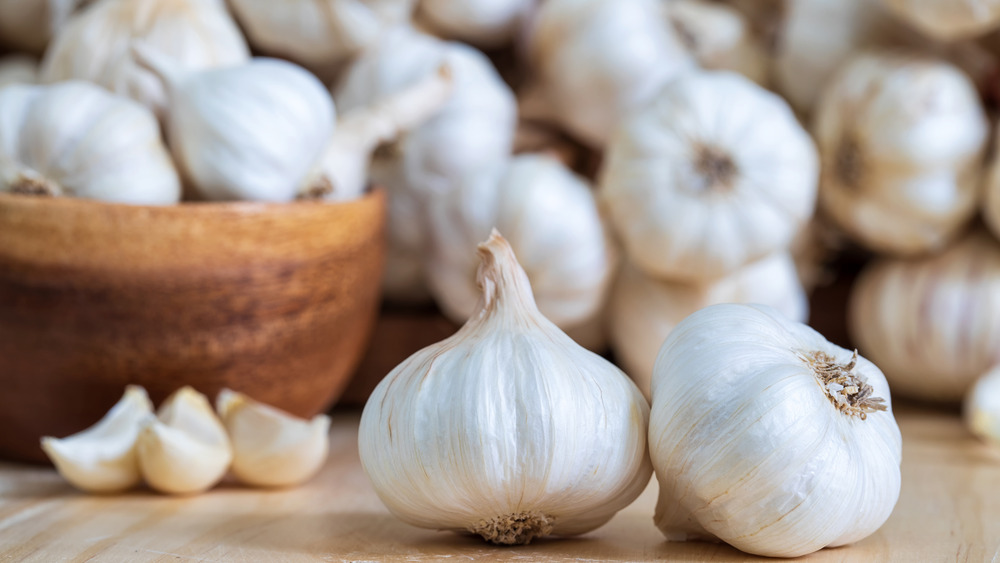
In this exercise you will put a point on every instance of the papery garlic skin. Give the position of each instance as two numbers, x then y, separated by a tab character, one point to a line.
102	458
272	448
95	44
949	20
931	323
719	37
981	409
902	140
754	442
508	429
18	69
248	132
184	449
643	311
76	139
597	60
550	219
484	23
713	174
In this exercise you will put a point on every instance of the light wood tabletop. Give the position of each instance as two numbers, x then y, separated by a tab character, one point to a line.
949	510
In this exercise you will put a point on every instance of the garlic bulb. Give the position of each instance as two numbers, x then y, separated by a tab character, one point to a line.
991	195
718	36
318	32
507	429
550	219
76	139
902	140
184	448
598	59
949	20
270	447
248	132
102	458
766	436
932	323
982	407
29	24
18	69
643	310
485	23
713	174
95	44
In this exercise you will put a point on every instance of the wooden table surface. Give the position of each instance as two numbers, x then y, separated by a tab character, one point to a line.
949	511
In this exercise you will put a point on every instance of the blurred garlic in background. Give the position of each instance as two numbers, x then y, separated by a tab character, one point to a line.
719	37
931	323
948	20
902	141
95	44
18	69
483	23
982	407
76	139
28	25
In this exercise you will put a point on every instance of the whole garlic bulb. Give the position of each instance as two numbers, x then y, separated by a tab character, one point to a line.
644	311
102	458
981	409
597	60
949	20
719	37
713	174
902	140
933	322
485	23
811	453
76	139
550	219
248	132
508	429
29	24
18	69
95	45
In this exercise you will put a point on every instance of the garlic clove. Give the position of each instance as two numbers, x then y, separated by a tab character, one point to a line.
272	448
184	449
982	407
102	458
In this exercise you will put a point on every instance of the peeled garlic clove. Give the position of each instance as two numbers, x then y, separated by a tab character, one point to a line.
768	437
597	60
982	407
719	37
644	311
76	139
102	458
184	448
508	429
931	323
272	448
714	173
949	20
18	69
902	139
484	23
248	132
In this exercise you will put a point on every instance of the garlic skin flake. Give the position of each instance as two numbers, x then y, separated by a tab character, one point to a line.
272	448
713	174
76	139
719	37
507	429
18	69
811	455
95	44
982	407
184	449
902	140
102	458
949	20
643	311
931	323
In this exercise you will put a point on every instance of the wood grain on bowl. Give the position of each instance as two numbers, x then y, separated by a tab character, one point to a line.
276	301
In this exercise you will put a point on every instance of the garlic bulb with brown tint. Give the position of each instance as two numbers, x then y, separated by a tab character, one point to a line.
949	20
719	37
981	408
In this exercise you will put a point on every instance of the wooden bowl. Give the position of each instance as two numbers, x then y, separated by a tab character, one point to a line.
276	301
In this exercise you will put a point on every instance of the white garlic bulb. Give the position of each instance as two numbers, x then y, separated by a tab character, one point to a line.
248	132
508	429
981	409
485	23
719	37
902	140
598	59
18	69
713	174
272	448
102	458
184	449
549	217
643	311
949	20
317	32
931	323
76	139
809	453
29	24
95	45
